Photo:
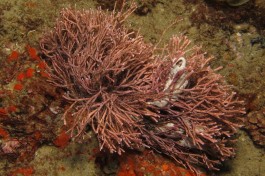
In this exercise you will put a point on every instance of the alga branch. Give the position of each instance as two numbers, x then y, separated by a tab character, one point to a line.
132	97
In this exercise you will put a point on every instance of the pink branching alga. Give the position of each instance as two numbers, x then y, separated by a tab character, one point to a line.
135	95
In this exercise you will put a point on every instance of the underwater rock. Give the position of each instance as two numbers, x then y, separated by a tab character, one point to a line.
255	125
